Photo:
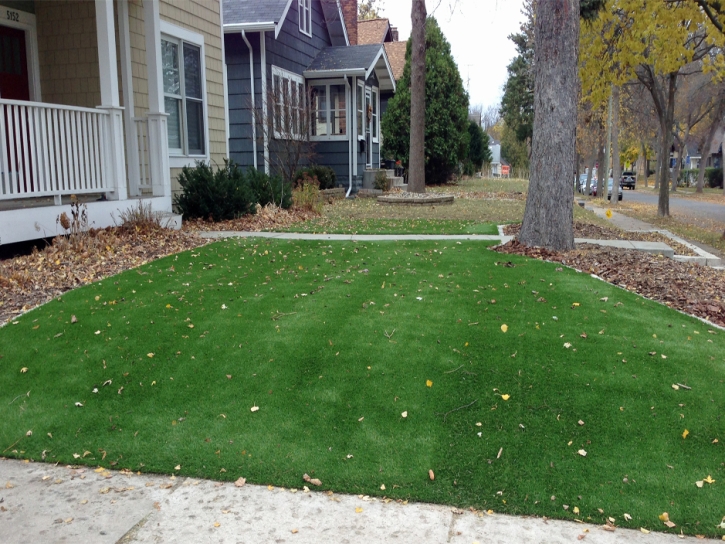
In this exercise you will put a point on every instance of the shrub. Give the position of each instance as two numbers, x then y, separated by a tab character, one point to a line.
216	196
325	176
307	194
381	181
140	218
713	177
269	190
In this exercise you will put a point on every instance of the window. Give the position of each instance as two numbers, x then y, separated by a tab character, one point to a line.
329	111
305	12
183	96
289	104
375	106
360	110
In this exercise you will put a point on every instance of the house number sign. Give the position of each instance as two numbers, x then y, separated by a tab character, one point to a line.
13	16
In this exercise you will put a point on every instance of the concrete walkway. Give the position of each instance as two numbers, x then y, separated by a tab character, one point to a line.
52	504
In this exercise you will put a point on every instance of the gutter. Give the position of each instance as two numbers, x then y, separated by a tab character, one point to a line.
265	125
249	27
350	149
254	108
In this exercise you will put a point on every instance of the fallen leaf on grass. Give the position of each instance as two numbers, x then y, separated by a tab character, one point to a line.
664	516
404	414
24	370
576	510
382	487
567	345
685	433
431	474
583	453
627	517
670	524
505	397
177	467
675	387
709	480
73	319
254	408
699	483
150	355
504	327
240	482
429	383
79	404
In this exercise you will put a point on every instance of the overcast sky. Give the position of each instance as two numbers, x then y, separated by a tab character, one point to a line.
477	31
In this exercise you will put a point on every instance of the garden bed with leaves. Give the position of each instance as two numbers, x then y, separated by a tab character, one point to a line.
690	288
598	232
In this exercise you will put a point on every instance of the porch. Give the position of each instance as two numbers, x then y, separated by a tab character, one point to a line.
68	124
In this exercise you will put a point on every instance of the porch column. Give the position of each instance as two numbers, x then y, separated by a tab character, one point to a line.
108	70
158	136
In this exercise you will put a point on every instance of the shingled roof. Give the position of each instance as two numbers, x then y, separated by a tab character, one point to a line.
356	60
372	30
396	57
240	12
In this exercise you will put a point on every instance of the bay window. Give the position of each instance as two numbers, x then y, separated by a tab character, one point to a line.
328	107
289	104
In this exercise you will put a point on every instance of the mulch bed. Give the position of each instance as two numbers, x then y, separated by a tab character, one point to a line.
597	232
690	288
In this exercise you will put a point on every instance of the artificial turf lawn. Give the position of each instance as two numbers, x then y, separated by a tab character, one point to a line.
291	327
393	226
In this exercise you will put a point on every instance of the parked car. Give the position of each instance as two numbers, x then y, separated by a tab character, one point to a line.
628	180
582	183
610	184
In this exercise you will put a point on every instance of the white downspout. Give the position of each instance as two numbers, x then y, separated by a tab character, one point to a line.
254	107
350	137
265	128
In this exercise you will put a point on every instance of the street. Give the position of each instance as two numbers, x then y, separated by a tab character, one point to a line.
696	209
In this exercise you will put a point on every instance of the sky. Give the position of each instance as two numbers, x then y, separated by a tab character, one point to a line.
478	32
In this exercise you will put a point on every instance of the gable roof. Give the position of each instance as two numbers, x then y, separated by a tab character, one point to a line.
372	30
355	60
269	15
396	57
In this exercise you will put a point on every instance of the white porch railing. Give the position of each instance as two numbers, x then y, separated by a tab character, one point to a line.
142	144
52	150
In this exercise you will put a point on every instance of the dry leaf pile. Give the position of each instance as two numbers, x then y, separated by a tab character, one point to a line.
30	280
690	288
268	218
597	232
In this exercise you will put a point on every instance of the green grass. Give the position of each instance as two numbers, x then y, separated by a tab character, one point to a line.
332	373
394	226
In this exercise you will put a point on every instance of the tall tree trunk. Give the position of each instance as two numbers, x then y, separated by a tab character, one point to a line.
616	167
416	168
607	154
600	157
549	215
667	117
679	147
659	167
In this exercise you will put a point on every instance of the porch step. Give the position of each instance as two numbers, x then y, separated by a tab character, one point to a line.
397	182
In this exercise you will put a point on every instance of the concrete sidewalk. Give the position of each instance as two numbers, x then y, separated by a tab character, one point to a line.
51	504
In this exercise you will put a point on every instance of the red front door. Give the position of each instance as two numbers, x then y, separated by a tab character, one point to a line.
13	65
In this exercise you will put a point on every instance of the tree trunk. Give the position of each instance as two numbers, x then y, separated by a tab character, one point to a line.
659	167
549	215
680	148
667	117
607	153
416	168
600	157
616	167
642	168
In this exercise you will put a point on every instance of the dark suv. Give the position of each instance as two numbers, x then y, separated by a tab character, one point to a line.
628	180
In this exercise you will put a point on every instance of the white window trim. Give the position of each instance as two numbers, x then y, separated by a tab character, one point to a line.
292	77
28	23
305	5
332	137
179	160
376	108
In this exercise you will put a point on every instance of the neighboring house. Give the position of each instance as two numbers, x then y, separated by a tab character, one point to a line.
496	163
713	157
304	48
105	100
380	31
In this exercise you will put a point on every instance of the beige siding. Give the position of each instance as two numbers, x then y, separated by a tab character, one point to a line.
68	52
202	17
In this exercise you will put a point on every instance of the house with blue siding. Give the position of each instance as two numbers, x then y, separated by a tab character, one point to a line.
294	71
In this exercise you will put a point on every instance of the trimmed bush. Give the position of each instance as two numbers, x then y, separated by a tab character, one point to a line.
215	196
713	177
325	176
269	190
